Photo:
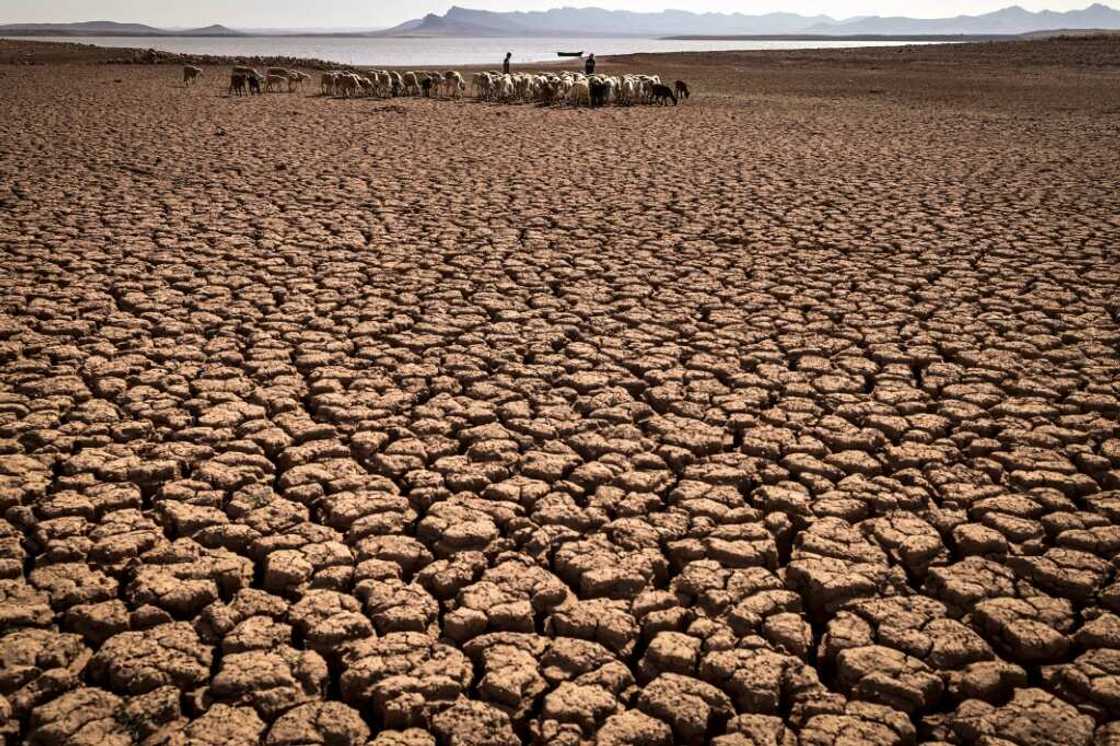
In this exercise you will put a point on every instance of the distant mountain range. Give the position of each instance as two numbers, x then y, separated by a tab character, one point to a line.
560	22
109	28
1013	20
598	22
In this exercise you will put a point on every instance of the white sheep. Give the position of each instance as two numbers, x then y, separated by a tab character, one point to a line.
580	93
481	84
273	82
396	83
629	92
384	83
296	79
411	84
453	84
505	88
347	85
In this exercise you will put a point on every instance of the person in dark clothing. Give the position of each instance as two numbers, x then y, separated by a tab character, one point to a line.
505	63
589	65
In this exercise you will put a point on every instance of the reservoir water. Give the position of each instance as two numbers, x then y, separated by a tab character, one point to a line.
407	52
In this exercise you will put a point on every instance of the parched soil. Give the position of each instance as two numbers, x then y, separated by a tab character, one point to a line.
790	415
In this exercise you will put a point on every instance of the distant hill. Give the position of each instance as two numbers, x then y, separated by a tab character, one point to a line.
1013	20
108	28
87	28
212	30
598	22
448	25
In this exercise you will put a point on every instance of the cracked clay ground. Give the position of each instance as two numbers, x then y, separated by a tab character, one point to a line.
787	416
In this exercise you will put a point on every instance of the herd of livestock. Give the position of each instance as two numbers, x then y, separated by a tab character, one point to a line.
544	88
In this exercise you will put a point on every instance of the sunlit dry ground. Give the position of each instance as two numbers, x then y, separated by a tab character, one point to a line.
788	415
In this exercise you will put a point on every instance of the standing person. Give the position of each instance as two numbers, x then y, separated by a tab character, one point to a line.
505	63
589	66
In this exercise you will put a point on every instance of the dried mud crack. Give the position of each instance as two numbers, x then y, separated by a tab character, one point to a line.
787	416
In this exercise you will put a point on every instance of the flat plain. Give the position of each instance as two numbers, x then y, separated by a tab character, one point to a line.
789	415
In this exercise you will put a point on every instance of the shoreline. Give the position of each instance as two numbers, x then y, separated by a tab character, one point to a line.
918	38
1094	51
32	35
152	55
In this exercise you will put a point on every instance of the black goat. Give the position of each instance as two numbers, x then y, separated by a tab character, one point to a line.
599	91
682	90
237	84
663	94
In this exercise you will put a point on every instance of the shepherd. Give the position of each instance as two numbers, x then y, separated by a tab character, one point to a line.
589	65
505	63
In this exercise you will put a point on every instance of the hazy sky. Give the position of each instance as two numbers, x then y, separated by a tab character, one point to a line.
379	13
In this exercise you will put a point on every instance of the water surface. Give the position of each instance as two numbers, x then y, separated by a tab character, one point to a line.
439	52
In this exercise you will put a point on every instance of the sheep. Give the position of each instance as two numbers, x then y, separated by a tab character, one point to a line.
347	85
522	83
281	71
453	84
505	88
548	90
296	79
410	83
384	84
237	83
483	85
610	89
663	93
249	76
191	74
396	82
628	93
580	93
273	82
616	88
564	87
327	83
598	92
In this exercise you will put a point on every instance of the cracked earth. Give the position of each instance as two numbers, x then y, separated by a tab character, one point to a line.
787	416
